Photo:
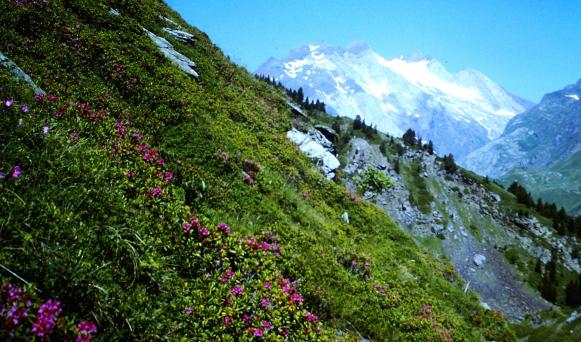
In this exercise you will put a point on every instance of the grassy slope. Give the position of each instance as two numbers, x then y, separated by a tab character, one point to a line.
558	183
75	226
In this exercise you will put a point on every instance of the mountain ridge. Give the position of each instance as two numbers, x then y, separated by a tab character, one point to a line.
396	94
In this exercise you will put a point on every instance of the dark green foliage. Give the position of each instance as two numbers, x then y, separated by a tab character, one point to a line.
449	164
563	223
409	137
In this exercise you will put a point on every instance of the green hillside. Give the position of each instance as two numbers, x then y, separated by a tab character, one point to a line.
559	183
116	181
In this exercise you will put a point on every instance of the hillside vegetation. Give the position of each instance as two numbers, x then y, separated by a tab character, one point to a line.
115	184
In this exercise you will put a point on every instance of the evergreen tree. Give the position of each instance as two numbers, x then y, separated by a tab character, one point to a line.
409	137
449	164
357	122
430	147
572	294
300	95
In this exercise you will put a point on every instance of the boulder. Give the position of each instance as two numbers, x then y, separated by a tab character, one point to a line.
479	259
183	62
345	217
317	148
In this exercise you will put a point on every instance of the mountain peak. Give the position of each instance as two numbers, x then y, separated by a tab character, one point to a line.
415	56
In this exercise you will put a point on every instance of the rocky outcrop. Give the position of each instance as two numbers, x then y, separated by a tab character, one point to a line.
18	73
468	224
183	62
184	36
317	148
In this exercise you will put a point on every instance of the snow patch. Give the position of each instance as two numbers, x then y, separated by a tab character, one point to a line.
573	96
294	67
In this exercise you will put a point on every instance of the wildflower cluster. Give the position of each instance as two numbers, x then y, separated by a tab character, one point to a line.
356	263
427	314
250	169
23	317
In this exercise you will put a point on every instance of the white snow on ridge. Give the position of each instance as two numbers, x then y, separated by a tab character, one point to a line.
573	96
292	68
419	73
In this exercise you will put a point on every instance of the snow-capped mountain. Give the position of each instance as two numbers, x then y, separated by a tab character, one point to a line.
459	112
548	132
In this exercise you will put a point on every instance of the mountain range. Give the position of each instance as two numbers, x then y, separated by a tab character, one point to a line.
459	112
540	149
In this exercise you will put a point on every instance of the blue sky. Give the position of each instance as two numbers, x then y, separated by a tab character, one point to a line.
530	47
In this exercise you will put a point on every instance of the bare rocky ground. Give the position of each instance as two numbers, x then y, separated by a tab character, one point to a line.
471	228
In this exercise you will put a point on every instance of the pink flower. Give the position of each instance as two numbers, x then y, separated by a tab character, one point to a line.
224	228
267	285
168	176
46	318
228	320
296	298
74	136
156	192
246	319
187	227
237	290
311	317
266	325
229	273
147	157
258	333
8	102
25	108
265	302
204	231
426	308
52	97
188	311
143	148
284	332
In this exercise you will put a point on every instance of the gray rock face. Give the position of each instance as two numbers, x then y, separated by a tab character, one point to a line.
479	260
183	62
345	217
18	73
317	148
328	132
184	36
467	222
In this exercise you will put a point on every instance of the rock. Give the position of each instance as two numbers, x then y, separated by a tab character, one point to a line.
184	36
345	217
114	12
317	148
479	260
18	73
328	132
296	109
183	62
485	306
574	315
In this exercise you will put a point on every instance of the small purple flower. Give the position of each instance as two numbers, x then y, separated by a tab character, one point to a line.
188	311
237	290
224	228
266	325
147	157
16	171
227	320
157	192
2	175
246	319
25	108
8	102
258	333
87	327
46	318
168	176
45	130
267	285
204	231
74	136
187	227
